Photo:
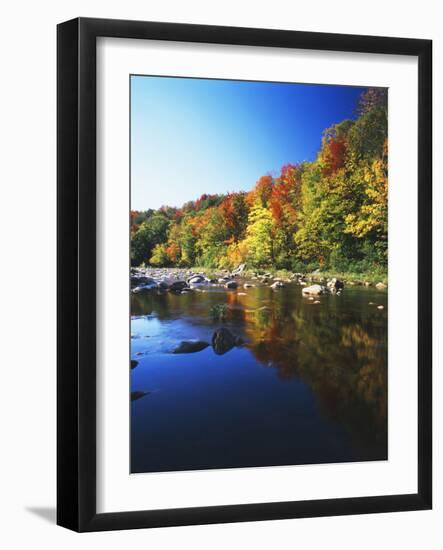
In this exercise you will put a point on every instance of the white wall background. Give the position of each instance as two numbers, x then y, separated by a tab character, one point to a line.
27	286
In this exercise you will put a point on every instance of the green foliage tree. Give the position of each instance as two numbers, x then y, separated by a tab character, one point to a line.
151	232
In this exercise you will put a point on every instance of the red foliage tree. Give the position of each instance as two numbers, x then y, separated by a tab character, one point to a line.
262	190
334	154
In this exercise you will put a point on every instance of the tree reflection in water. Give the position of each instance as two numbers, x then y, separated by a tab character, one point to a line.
338	347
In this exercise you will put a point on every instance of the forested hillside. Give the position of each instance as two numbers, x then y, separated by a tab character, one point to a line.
329	214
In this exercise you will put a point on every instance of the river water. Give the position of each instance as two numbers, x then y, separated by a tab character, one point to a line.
308	386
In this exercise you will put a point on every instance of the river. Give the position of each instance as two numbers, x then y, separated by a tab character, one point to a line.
308	385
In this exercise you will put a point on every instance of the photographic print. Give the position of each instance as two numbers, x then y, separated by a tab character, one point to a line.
258	273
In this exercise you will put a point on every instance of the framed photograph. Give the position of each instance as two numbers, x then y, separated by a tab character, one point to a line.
244	274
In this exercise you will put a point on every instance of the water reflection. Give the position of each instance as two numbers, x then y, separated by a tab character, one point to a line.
337	349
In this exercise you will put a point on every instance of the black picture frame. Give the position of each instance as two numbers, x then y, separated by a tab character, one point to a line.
76	253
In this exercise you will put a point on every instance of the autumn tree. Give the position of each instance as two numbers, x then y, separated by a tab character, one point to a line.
258	240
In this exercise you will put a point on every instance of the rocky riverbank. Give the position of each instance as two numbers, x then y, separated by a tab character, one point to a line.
181	280
186	280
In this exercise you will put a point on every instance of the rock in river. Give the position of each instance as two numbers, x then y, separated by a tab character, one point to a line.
134	363
314	290
190	346
278	284
148	284
186	290
196	280
381	286
335	284
137	394
140	280
177	286
223	340
231	284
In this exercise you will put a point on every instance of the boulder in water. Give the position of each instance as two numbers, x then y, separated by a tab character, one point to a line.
146	285
335	284
186	290
138	394
177	286
190	346
278	284
223	340
231	284
313	290
140	280
195	279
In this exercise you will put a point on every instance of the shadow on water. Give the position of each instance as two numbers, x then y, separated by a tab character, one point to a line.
309	386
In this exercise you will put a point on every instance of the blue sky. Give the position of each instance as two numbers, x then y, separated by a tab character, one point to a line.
195	136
